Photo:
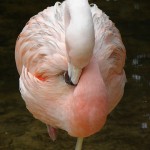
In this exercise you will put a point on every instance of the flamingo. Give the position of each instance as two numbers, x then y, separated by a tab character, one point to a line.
70	58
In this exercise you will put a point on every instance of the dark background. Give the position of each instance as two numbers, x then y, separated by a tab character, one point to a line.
128	126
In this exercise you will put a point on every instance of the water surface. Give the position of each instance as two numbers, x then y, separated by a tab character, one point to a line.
127	127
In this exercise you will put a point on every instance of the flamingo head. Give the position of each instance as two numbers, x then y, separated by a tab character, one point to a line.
79	38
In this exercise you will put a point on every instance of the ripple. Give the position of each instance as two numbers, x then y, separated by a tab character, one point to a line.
136	77
144	125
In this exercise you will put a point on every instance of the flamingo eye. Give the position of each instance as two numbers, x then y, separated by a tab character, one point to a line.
67	79
92	4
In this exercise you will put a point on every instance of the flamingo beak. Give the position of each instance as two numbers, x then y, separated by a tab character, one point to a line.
74	73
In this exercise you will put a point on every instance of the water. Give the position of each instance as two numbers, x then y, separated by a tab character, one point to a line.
127	127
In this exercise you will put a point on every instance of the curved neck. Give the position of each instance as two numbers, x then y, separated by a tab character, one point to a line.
78	9
80	37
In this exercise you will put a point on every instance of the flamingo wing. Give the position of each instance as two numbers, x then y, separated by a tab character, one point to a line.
110	54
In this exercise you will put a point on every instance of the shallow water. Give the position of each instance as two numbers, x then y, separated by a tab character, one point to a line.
127	127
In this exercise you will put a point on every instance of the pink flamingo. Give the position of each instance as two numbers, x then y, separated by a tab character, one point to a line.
70	58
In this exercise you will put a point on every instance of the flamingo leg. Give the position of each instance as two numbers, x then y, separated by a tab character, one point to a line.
52	132
79	144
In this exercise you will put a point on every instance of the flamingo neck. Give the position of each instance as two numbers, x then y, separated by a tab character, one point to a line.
79	36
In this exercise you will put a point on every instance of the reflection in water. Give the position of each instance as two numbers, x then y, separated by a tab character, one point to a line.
128	126
137	60
144	125
136	77
139	63
136	6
